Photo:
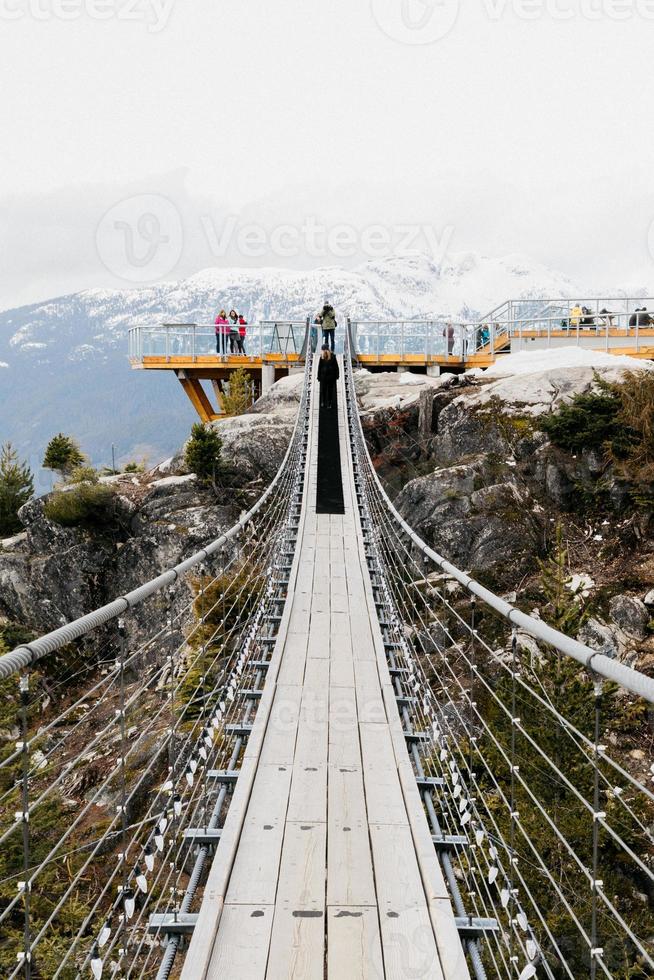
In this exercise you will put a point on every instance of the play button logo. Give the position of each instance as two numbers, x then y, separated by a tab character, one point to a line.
416	21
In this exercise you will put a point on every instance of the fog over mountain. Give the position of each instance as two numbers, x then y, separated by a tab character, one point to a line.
64	367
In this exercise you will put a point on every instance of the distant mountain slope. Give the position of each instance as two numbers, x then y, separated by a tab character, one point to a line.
66	364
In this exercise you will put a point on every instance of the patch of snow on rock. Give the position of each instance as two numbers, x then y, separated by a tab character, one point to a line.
580	585
534	362
541	392
173	481
407	378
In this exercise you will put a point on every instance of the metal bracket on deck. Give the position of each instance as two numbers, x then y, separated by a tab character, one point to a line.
252	693
470	927
449	842
228	776
417	736
202	835
171	924
429	782
240	731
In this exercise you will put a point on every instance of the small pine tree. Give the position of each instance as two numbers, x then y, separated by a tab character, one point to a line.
62	454
202	453
16	488
239	398
564	610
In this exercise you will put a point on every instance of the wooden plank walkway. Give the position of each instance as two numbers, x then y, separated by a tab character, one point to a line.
326	866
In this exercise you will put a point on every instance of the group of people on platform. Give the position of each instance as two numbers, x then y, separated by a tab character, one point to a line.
230	333
582	316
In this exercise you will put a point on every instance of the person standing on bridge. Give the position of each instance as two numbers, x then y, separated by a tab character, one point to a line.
329	325
328	375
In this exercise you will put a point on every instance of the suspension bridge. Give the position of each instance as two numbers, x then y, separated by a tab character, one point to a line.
333	756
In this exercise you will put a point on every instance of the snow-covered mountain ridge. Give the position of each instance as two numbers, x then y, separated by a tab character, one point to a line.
66	366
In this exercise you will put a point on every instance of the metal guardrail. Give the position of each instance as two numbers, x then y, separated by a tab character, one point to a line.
195	340
521	309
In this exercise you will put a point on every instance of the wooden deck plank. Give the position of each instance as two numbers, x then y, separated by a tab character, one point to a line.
293	662
297	945
302	872
281	732
383	792
343	726
297	948
350	879
354	944
308	799
256	867
370	705
407	935
241	948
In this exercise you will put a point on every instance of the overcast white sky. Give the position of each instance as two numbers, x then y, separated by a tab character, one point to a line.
520	129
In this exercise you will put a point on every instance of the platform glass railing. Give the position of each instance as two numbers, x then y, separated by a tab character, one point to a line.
403	338
606	328
195	340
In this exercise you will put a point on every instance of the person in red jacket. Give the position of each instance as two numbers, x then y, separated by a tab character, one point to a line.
242	325
222	332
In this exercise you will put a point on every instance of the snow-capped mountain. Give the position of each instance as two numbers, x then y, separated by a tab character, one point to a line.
63	363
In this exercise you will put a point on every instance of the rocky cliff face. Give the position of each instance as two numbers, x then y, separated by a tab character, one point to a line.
50	574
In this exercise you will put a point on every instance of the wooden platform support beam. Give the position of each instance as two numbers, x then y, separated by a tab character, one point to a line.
198	397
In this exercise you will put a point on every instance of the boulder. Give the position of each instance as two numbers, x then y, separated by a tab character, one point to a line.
484	528
611	641
630	614
254	445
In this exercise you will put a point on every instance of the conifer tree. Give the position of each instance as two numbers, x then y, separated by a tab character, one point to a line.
16	488
564	610
239	398
62	454
202	453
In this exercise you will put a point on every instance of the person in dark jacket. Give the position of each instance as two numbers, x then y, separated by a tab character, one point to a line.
328	375
233	332
640	318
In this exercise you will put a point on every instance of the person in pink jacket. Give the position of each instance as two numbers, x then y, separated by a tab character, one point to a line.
222	332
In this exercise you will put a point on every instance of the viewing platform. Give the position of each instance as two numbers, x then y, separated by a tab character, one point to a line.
276	348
